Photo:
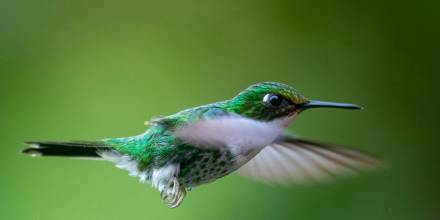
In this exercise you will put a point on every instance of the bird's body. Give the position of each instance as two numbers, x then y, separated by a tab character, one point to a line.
199	145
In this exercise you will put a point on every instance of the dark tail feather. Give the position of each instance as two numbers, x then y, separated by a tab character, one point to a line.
79	149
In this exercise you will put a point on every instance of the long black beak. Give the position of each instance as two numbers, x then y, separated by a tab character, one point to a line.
322	104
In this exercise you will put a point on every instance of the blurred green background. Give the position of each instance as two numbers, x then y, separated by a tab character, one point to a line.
93	69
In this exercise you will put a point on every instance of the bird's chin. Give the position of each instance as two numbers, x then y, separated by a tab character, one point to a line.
294	113
289	118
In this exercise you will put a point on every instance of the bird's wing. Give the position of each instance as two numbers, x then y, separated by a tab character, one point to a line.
218	129
293	160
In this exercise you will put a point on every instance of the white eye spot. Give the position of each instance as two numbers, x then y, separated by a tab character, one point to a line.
266	97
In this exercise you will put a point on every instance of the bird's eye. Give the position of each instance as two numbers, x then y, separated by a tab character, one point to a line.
273	99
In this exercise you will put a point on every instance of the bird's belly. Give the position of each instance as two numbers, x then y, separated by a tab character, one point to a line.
206	166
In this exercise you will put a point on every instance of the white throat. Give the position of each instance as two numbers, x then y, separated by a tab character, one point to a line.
241	135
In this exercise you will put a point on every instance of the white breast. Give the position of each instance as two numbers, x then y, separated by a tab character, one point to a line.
237	133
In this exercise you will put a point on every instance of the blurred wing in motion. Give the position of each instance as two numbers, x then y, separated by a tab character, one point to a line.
293	160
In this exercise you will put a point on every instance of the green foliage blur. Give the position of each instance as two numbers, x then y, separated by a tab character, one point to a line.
73	70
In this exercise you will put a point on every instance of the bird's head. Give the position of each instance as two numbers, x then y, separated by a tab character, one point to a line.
268	101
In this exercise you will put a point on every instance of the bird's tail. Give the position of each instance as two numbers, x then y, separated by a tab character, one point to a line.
76	149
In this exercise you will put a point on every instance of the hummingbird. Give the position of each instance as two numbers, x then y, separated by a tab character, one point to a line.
245	134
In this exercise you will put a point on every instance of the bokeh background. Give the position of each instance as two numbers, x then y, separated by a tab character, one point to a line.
89	69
